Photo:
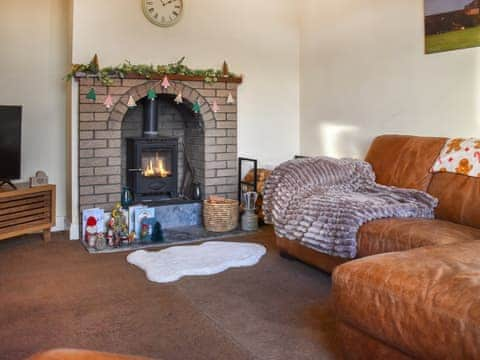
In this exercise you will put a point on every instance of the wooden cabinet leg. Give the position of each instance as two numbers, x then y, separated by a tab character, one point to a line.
47	235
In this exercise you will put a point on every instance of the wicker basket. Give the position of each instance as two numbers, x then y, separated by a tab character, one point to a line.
220	216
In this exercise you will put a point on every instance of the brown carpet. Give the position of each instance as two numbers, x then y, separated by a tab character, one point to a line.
57	295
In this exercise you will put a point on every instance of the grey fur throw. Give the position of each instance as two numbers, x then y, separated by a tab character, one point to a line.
322	202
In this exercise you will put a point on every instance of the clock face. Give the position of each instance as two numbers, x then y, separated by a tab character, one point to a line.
163	12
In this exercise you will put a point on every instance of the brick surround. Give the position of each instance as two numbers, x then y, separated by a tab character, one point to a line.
100	136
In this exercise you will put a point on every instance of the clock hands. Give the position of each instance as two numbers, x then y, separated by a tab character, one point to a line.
165	3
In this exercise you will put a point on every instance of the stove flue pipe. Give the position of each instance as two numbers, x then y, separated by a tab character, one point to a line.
150	117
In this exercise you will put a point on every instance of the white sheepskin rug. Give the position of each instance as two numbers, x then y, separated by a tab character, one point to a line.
206	259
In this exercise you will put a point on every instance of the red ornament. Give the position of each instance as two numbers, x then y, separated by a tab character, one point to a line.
91	221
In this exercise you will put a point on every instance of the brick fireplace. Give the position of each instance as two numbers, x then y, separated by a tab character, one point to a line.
208	139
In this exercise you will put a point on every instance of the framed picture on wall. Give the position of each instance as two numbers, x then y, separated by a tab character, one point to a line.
451	25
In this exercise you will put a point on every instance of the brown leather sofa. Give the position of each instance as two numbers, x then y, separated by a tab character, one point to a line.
419	295
405	161
414	292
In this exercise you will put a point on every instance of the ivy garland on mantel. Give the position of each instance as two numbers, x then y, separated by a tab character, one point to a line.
107	74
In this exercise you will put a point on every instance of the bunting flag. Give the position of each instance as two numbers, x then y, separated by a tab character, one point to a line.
131	102
230	99
108	102
151	95
92	95
196	107
215	107
165	82
179	98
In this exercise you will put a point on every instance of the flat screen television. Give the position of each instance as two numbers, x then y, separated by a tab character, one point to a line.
10	143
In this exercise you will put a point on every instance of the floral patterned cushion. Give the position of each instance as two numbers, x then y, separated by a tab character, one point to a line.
459	156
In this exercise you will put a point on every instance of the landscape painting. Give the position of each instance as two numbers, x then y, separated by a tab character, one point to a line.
451	25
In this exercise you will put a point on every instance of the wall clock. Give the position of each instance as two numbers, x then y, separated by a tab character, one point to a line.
163	12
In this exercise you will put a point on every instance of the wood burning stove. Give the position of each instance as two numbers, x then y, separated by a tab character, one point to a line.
152	161
152	168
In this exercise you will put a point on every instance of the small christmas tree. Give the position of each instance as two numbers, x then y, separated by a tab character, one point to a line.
92	95
230	99
157	233
225	70
94	65
196	107
151	95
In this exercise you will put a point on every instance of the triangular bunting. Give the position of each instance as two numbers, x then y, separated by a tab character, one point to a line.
131	102
165	82
179	98
230	99
151	95
91	95
196	107
108	102
215	107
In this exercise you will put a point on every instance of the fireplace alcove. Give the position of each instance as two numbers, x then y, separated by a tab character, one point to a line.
102	134
155	167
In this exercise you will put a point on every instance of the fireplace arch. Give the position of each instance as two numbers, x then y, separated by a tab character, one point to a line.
181	136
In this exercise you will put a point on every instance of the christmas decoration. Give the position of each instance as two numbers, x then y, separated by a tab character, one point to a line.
94	64
131	102
108	102
230	99
118	230
106	74
151	94
179	98
225	70
196	107
165	82
215	107
92	95
91	231
101	242
157	234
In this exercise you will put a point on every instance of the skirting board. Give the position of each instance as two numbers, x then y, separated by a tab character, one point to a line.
74	231
60	224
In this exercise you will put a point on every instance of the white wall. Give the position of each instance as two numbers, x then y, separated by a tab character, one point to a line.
33	61
259	39
364	73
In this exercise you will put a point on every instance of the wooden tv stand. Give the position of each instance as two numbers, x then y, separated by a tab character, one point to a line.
26	210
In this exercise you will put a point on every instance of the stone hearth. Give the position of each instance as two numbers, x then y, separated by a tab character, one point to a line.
101	139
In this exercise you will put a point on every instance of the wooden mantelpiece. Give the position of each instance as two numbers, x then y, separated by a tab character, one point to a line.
235	80
27	210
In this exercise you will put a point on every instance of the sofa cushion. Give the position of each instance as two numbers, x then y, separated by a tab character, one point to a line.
404	161
388	235
459	156
424	302
458	198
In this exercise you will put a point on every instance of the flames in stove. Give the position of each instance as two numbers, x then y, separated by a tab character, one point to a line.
156	167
